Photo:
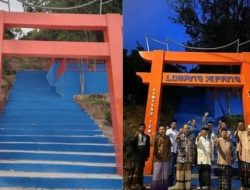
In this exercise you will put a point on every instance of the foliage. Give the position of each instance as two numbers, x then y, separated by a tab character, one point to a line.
113	7
232	120
135	92
9	34
97	104
7	70
70	35
96	99
212	23
107	116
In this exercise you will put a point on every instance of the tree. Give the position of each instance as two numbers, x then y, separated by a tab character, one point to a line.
212	23
113	7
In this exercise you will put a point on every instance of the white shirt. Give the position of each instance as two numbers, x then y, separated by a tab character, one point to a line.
204	150
173	133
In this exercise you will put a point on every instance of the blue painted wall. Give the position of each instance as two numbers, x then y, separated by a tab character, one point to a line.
215	105
194	106
95	82
51	75
68	84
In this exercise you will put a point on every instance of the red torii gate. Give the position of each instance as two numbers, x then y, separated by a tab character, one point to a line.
110	50
157	78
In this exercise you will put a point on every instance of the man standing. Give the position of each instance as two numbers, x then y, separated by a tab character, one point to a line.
162	155
223	125
204	150
209	126
141	154
245	159
193	125
184	160
224	160
237	134
210	135
193	131
172	133
128	163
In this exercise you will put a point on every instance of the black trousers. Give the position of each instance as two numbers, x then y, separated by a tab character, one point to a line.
138	175
239	164
245	174
205	175
128	178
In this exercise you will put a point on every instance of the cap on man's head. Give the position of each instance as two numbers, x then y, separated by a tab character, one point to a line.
223	121
174	121
223	129
142	125
161	125
210	123
204	128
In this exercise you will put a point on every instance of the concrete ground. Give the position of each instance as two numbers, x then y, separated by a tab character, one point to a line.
195	183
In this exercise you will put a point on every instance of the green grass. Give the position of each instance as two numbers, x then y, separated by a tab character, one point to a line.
95	99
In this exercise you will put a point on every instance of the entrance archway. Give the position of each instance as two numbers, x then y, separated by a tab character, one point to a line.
157	78
110	50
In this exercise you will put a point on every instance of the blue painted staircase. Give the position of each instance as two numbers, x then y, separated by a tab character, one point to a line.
49	142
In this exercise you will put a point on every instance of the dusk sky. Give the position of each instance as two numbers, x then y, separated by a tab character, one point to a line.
150	17
141	18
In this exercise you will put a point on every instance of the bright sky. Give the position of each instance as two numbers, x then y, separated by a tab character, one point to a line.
14	6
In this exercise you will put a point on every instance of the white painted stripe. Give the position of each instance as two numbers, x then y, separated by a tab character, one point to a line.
66	136
4	173
96	164
61	152
57	143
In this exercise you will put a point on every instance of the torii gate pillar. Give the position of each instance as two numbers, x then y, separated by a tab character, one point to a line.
1	58
154	96
245	76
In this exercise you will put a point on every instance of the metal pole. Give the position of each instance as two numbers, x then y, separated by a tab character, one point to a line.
238	45
100	10
147	43
9	5
167	44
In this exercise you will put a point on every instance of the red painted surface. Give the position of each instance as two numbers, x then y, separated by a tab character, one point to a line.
61	68
110	50
51	61
157	78
1	57
56	21
115	80
32	48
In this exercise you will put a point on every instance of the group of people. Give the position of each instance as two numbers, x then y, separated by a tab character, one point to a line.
176	153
